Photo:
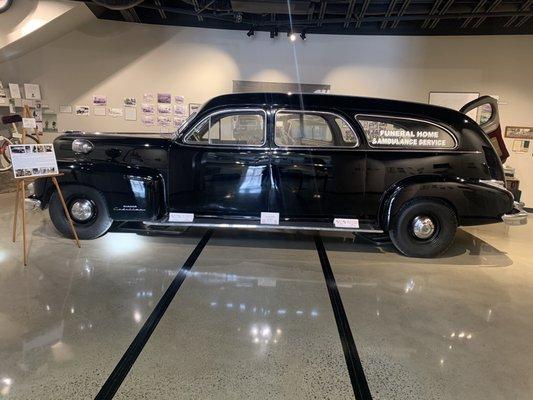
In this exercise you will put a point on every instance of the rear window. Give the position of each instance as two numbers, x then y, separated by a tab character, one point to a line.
405	133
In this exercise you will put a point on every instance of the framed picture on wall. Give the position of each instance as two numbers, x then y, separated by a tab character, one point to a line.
519	132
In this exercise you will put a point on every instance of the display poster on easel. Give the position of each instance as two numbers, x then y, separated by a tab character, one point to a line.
33	160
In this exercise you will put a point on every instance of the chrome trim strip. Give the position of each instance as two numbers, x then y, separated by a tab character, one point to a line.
259	226
286	110
226	111
408	119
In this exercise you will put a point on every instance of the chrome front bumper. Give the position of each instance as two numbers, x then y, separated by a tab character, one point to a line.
519	217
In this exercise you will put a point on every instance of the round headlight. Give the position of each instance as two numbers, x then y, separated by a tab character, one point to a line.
82	146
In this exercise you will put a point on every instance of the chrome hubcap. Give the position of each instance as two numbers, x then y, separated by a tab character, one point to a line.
423	227
81	210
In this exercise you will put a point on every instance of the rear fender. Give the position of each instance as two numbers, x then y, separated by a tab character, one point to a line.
471	201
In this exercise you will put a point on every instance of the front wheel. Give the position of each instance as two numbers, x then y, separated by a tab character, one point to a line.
423	228
87	208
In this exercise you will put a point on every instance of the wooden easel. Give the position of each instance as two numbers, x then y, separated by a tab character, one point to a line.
19	202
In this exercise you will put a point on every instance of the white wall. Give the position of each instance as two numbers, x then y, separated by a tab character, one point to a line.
121	59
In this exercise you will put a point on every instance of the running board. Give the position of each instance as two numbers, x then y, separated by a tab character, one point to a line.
284	225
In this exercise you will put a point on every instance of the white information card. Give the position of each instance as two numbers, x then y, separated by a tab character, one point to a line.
269	218
180	217
33	160
346	223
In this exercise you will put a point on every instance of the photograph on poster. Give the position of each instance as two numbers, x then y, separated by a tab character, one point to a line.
99	100
32	91
178	121
130	101
148	97
82	110
164	109
164	98
179	109
115	112
33	160
147	108
519	132
14	90
179	99
164	120
147	119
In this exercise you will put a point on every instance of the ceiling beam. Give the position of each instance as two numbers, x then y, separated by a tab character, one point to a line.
478	7
362	14
433	10
390	9
525	6
490	9
349	12
400	13
443	11
322	12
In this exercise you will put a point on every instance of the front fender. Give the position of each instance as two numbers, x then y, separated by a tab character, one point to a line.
132	194
473	202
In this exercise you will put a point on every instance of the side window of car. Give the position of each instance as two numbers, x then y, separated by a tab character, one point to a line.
305	129
405	133
246	128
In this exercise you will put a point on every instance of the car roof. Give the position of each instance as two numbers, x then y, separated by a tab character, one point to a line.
347	104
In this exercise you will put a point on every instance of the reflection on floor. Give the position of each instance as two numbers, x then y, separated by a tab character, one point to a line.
253	318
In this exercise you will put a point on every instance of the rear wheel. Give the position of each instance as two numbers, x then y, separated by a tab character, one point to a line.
87	208
423	228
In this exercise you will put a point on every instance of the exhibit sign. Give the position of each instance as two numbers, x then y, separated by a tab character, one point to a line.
519	132
33	160
180	217
269	218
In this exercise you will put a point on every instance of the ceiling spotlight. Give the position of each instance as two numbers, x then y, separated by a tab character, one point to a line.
273	33
238	18
251	32
302	35
292	36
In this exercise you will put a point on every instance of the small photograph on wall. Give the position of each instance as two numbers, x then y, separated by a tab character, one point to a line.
65	109
164	109
164	98
99	100
148	119
520	146
147	108
178	121
519	132
82	110
164	120
179	99
32	91
99	111
115	112
179	109
130	101
148	97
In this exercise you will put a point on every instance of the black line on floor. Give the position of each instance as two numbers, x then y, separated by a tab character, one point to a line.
123	367
353	362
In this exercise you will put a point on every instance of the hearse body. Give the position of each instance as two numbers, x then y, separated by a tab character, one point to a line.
328	162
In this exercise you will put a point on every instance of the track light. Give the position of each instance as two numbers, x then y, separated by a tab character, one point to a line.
292	36
251	32
302	35
273	33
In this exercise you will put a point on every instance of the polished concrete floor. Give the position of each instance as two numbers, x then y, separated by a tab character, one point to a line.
253	318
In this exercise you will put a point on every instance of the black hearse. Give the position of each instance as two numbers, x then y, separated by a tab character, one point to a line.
300	161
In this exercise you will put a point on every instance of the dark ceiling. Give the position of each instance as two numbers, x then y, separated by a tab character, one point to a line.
352	17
